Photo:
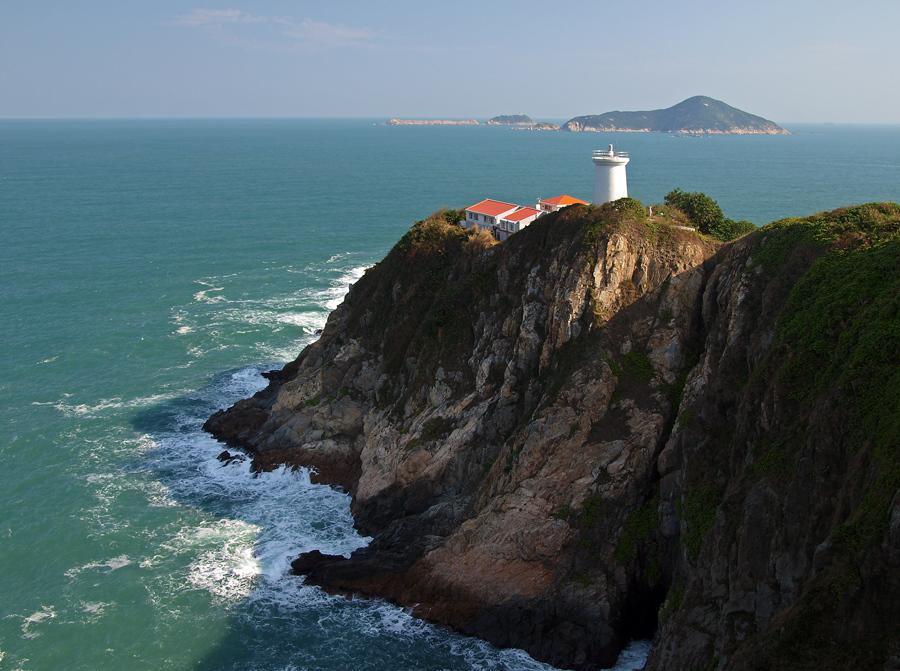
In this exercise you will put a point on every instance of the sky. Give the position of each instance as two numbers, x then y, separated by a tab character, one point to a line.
787	60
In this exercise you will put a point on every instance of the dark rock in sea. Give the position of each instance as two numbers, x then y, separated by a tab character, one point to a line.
309	561
608	428
227	457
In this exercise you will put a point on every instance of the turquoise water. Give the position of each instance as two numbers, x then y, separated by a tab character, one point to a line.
150	270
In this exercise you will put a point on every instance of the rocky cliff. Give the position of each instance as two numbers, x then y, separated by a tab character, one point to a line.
607	428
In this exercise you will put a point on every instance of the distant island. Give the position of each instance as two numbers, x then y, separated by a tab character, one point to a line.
433	122
521	122
511	120
699	115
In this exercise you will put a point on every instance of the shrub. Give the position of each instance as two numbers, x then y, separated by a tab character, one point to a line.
702	210
705	213
732	228
625	208
479	240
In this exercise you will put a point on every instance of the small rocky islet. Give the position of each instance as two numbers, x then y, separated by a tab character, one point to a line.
610	427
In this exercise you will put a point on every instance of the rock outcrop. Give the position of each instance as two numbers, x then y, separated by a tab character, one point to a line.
606	428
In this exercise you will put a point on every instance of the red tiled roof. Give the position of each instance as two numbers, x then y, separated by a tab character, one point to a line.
564	200
491	208
522	213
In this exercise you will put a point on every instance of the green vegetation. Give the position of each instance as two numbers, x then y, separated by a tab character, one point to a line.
838	348
511	120
436	427
675	391
672	604
625	208
700	504
590	510
638	528
610	214
705	213
432	233
847	227
564	512
637	366
773	462
842	330
697	114
632	367
433	429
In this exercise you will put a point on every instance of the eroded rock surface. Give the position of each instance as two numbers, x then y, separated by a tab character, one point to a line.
561	441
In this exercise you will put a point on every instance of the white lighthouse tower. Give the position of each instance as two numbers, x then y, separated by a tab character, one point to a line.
611	182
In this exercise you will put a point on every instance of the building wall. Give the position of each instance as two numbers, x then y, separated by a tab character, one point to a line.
516	226
611	183
482	220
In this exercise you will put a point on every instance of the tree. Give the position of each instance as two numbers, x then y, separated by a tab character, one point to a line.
732	229
702	210
706	215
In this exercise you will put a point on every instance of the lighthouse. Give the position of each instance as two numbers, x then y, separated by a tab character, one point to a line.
611	182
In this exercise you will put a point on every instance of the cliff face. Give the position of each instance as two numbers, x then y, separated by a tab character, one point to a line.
604	428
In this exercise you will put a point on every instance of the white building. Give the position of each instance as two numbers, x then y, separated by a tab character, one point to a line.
486	213
611	182
515	222
500	218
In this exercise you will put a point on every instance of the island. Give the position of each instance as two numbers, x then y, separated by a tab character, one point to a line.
613	426
699	115
432	122
511	120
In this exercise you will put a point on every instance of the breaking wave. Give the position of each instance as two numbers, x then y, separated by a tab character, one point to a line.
231	533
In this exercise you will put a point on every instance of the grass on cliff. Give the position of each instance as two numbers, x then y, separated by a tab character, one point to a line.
838	347
842	330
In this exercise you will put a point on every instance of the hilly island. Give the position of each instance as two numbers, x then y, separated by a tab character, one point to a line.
699	115
611	427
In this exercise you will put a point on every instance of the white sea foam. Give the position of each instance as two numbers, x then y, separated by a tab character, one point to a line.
106	566
105	404
38	617
93	610
248	527
633	657
228	569
203	296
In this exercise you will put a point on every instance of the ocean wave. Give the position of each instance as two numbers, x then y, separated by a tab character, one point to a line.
203	296
240	530
106	566
89	410
38	617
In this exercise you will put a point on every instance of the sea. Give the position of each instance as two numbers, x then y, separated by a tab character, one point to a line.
150	270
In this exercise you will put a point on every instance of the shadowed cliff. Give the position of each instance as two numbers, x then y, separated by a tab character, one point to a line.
608	427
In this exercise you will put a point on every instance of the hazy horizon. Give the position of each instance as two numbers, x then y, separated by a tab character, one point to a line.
810	62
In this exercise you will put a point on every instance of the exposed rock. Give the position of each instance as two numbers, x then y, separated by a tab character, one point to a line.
227	457
598	424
